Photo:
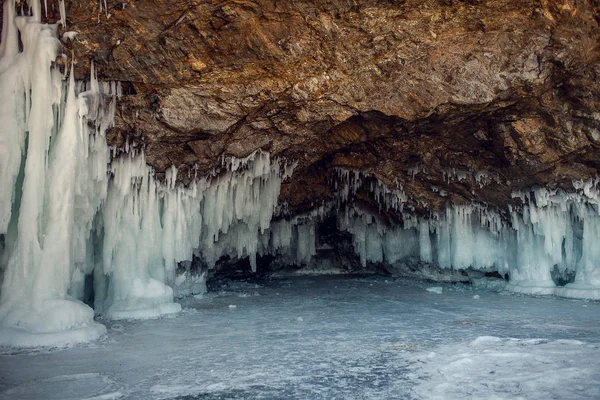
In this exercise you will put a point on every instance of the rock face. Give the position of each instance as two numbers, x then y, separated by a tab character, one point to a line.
475	98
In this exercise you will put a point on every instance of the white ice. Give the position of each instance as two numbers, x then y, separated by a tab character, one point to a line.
326	338
71	208
492	367
552	230
48	199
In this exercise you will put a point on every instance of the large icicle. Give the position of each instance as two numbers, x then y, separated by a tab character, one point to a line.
12	131
41	212
587	270
132	253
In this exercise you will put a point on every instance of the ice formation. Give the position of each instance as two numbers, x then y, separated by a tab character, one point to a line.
69	210
47	199
148	227
73	214
552	231
293	239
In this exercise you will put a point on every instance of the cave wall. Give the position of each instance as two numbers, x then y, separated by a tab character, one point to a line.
404	90
450	101
393	136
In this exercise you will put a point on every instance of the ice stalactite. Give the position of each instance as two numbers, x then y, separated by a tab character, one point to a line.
552	231
151	226
239	206
377	242
581	248
130	281
49	188
470	236
63	13
69	210
294	239
11	113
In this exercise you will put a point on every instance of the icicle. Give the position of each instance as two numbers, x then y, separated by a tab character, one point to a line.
35	10
9	45
425	241
63	13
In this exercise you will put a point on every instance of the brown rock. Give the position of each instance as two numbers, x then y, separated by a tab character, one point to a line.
509	88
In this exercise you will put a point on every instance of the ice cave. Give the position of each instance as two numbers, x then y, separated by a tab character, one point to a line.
300	200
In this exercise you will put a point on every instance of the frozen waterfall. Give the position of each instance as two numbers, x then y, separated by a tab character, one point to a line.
49	187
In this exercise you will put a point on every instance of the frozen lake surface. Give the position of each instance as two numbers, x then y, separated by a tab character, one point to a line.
330	338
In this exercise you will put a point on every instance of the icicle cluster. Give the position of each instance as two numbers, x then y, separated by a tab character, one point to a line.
148	227
52	181
68	210
348	182
553	232
295	239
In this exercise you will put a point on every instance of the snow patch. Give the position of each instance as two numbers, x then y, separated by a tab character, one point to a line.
505	368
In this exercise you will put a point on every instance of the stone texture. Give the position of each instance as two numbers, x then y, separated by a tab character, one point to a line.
388	87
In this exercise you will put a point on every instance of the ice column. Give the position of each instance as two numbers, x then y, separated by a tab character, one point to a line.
586	208
46	183
132	282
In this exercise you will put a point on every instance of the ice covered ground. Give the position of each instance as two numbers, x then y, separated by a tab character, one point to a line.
331	338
